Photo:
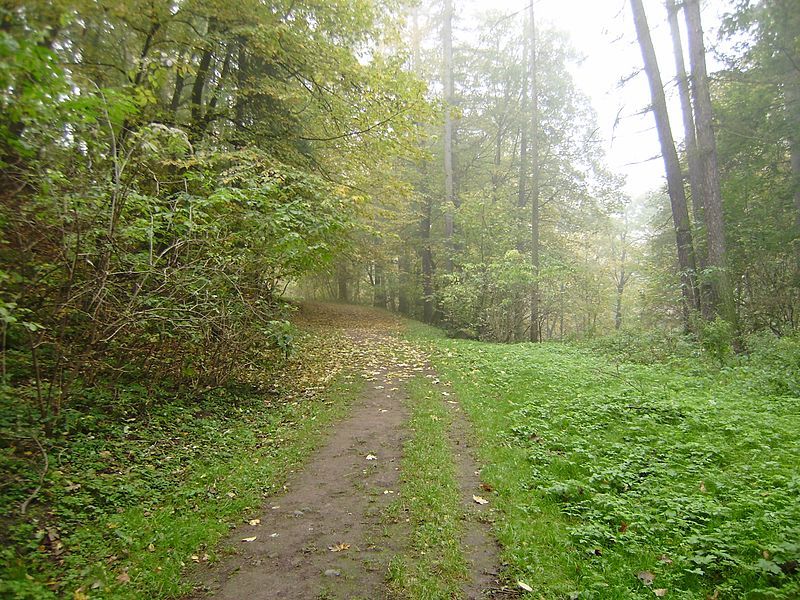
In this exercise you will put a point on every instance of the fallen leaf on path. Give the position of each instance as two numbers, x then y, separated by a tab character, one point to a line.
371	457
646	577
338	547
524	586
254	522
250	539
479	500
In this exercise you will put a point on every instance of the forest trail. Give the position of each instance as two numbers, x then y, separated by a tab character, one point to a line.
329	534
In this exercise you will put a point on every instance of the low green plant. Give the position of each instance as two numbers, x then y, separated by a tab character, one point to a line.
435	568
139	481
617	478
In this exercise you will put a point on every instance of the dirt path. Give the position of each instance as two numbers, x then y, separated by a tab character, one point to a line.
325	536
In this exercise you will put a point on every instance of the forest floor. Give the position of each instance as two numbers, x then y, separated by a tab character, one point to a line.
384	460
360	507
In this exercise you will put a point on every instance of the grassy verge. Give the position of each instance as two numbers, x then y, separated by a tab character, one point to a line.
430	499
625	480
138	488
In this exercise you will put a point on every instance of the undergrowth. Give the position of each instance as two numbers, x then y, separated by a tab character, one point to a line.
436	567
138	485
670	475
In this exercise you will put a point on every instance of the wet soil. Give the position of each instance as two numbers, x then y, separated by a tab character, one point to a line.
326	535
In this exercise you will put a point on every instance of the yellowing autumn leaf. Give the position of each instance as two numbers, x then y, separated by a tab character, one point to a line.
661	592
479	500
254	522
338	547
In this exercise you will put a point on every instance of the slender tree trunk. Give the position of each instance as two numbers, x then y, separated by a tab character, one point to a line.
379	290
535	332
402	284
342	278
693	161
690	135
427	264
792	99
426	255
447	81
522	191
524	166
677	193
722	301
621	277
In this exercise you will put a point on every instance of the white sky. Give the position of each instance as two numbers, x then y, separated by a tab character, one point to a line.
603	32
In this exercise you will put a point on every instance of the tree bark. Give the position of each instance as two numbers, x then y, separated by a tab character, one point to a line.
447	82
427	263
535	331
677	193
690	135
721	302
342	279
522	191
692	159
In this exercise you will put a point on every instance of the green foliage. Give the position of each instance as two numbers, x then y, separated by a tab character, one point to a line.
156	208
607	468
141	480
716	338
431	500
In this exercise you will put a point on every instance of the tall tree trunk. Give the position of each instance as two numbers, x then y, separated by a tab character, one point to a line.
427	263
535	332
522	190
402	284
792	93
677	193
447	81
690	135
722	301
379	289
522	185
426	254
695	169
342	280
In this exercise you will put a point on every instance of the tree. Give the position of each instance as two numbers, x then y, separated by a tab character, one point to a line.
722	302
677	194
450	200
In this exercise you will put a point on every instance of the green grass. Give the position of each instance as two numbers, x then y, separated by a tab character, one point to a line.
435	567
607	470
136	491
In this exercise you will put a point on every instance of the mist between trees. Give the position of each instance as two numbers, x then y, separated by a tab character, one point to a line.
170	169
